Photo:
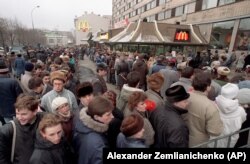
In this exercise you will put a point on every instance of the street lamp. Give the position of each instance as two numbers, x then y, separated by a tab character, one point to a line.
32	15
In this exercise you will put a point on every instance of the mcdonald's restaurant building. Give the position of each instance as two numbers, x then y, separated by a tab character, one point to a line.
225	24
90	24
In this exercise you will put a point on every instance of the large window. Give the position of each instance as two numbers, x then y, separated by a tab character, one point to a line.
190	8
51	41
153	4
242	41
168	14
162	2
221	34
161	16
207	4
179	11
224	2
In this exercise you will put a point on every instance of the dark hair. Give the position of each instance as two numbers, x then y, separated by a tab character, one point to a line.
58	61
26	102
133	78
201	81
111	95
38	66
99	105
187	72
44	73
135	98
35	82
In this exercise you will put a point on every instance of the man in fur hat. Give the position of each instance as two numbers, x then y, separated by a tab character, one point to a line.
58	80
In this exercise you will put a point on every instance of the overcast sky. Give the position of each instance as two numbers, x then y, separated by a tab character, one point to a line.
52	14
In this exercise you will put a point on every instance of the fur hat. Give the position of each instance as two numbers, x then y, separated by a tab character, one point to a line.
57	102
29	67
176	93
229	91
3	67
244	96
57	75
84	90
155	81
224	71
132	125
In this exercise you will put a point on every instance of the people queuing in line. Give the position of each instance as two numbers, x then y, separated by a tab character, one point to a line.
161	101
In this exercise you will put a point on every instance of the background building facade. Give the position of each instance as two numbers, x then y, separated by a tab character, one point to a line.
58	38
225	24
88	24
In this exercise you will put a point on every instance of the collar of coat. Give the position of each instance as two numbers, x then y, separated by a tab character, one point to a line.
91	123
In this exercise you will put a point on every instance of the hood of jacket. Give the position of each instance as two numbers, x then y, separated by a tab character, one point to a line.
128	142
225	105
127	90
86	124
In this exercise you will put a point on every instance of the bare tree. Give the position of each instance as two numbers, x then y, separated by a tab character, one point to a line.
3	31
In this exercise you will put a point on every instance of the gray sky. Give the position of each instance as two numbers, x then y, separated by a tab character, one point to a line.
52	14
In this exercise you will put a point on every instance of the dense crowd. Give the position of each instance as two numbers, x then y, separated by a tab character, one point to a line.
172	100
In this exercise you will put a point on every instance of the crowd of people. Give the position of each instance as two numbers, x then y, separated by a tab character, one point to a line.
164	101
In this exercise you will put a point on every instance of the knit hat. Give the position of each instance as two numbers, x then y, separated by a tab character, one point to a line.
244	96
132	125
3	67
155	81
57	102
176	93
57	75
29	66
223	71
229	91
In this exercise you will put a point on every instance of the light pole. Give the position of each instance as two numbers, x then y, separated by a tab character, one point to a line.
32	15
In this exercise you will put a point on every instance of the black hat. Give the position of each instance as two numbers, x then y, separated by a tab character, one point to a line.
176	93
84	90
29	67
3	67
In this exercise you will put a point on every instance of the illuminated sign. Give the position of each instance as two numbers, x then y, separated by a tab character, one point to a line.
83	26
104	36
182	36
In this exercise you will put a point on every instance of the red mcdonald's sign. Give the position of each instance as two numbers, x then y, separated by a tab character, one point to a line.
182	35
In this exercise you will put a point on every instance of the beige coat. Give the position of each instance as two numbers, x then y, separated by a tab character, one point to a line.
203	119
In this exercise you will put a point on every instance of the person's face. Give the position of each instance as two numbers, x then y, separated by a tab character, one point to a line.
182	104
38	71
58	85
46	80
106	118
139	134
141	106
103	72
86	99
63	109
53	134
25	116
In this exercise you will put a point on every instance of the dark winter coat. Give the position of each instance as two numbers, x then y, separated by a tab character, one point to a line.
19	66
141	67
170	129
128	142
46	152
25	140
9	91
89	139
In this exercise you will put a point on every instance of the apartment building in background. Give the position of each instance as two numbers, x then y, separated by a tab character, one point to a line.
225	24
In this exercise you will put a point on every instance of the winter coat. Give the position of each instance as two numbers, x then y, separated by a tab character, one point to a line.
203	119
49	153
128	142
25	140
19	66
244	84
9	91
50	96
141	67
232	116
154	96
89	139
25	80
170	129
99	85
123	96
185	82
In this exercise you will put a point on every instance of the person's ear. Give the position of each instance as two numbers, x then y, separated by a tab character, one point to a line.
96	117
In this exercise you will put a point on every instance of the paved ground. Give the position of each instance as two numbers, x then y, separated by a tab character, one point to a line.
87	68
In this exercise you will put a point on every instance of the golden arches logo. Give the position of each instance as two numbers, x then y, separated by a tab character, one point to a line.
84	26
